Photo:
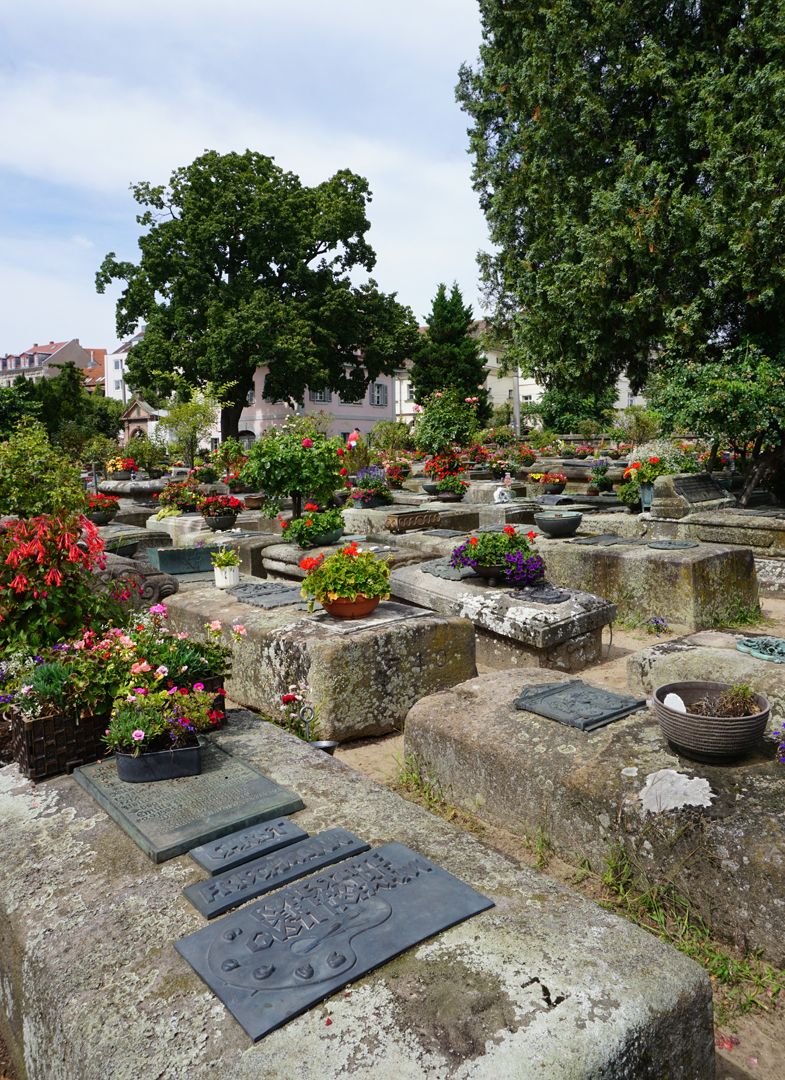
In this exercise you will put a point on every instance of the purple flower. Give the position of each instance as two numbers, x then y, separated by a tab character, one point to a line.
137	735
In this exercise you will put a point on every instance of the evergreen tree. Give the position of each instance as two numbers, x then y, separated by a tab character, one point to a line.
447	356
628	156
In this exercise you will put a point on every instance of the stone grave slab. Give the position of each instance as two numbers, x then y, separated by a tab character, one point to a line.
405	522
444	533
273	960
232	888
269	594
240	847
682	494
511	630
167	817
364	676
694	588
577	704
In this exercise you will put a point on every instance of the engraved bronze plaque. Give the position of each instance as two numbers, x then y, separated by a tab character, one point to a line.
240	847
577	704
226	891
276	958
698	488
168	817
418	519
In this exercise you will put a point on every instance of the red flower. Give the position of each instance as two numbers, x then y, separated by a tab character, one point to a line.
287	699
344	472
311	506
340	451
509	530
284	524
531	535
473	540
307	443
654	461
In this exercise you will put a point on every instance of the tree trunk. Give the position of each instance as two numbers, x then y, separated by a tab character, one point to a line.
230	420
711	464
761	467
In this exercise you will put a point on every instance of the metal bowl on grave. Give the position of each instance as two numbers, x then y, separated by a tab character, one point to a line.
558	524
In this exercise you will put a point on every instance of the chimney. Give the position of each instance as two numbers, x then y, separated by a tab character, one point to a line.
35	344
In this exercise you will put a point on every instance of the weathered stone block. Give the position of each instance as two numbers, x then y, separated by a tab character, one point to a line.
453	516
545	984
363	674
565	636
534	776
695	588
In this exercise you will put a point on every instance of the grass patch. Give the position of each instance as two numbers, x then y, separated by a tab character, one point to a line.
737	614
740	984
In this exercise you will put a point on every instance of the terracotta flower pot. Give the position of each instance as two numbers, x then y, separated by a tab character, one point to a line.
351	609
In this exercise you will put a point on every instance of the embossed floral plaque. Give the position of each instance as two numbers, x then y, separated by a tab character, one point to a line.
275	958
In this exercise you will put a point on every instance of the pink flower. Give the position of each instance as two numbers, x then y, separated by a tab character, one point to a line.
162	671
198	686
215	625
139	667
137	735
307	443
239	629
158	609
141	691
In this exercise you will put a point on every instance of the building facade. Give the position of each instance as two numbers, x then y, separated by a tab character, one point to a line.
43	361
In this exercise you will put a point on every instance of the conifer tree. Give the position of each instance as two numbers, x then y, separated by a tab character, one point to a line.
448	357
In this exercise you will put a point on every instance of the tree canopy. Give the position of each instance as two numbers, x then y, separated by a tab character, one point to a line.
242	265
448	356
70	414
628	157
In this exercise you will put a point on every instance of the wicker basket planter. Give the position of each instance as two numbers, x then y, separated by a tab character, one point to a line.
51	745
708	738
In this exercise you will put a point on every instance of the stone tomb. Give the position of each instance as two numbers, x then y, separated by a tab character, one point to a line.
695	588
716	833
167	817
363	674
511	629
546	984
272	961
228	890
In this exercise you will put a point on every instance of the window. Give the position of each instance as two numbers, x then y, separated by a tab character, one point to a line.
250	397
118	365
379	394
526	397
214	444
118	384
630	400
344	401
322	396
408	391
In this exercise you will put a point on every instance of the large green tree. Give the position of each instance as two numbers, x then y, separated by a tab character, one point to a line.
448	356
71	415
243	265
629	160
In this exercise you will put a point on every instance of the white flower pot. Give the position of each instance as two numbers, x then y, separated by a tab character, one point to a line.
226	577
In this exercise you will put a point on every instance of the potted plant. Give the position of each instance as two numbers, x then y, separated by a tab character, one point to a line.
178	497
599	480
441	467
155	735
711	721
220	511
501	557
499	464
644	474
121	468
370	489
316	529
583	452
348	584
451	488
553	483
226	567
294	461
204	472
101	508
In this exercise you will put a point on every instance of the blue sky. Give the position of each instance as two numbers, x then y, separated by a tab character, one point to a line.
95	94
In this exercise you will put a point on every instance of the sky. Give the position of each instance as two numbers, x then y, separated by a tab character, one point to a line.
97	94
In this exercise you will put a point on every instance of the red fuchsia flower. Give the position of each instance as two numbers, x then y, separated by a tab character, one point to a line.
287	699
19	583
307	444
53	577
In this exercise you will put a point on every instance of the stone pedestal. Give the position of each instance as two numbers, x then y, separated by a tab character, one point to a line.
565	636
363	674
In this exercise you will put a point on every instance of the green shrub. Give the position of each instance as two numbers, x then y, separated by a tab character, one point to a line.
35	478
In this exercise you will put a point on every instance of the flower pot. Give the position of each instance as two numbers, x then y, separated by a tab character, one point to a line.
370	504
159	765
479	473
494	575
325	539
450	496
253	502
49	745
226	577
221	522
581	456
553	489
708	738
592	490
558	523
647	493
351	609
121	474
429	487
101	517
155	474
